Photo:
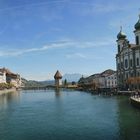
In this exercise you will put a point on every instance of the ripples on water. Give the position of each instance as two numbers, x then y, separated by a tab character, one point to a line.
67	115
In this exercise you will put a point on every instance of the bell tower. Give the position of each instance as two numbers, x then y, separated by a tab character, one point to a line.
121	39
137	31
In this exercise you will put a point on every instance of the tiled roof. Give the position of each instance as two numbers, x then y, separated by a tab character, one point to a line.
57	75
8	72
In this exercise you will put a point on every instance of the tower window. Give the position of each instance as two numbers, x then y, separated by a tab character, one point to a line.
122	65
137	40
126	63
118	65
137	61
118	48
131	63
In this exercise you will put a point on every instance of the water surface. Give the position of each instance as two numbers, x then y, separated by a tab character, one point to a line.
67	115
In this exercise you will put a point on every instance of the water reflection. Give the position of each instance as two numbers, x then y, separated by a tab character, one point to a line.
57	93
6	99
129	120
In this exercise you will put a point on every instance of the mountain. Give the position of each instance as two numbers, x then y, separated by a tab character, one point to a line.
47	82
33	83
72	77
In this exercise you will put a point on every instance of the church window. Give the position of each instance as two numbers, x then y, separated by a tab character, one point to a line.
137	61
121	64
131	63
126	63
137	40
118	48
118	65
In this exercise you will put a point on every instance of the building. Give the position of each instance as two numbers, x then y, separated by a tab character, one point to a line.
111	81
2	76
128	60
58	78
6	76
104	80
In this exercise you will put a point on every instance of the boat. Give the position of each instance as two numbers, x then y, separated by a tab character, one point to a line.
135	101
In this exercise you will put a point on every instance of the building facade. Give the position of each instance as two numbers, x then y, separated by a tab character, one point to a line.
2	76
128	60
6	76
111	81
104	80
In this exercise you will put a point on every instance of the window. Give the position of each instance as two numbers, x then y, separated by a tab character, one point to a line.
131	74
118	48
126	76
137	61
131	63
121	64
137	40
118	65
126	63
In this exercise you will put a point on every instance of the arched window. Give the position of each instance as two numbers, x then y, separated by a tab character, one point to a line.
131	63
126	63
118	65
137	61
118	48
137	40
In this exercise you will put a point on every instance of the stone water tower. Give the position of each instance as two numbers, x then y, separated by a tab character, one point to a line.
58	78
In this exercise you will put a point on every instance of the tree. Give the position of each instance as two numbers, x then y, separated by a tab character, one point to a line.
73	83
65	82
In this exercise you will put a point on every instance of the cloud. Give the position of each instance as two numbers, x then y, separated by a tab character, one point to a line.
92	7
28	5
61	44
83	56
76	55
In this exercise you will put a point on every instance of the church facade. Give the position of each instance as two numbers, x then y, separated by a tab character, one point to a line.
128	60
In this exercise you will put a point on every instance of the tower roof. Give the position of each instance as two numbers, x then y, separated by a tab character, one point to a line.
57	75
121	35
137	25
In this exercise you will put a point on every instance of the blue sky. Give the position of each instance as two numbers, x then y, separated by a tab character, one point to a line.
37	37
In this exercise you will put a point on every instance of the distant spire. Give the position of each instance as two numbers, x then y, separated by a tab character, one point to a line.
139	13
121	28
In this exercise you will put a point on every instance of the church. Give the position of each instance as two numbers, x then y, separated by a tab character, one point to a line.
128	60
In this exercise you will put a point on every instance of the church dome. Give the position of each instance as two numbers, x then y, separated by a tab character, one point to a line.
137	25
121	35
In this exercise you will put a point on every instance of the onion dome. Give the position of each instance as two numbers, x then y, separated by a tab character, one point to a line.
121	35
57	75
137	25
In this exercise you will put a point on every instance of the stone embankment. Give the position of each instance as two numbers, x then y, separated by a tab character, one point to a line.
5	91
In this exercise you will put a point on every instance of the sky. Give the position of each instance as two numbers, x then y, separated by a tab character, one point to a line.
38	37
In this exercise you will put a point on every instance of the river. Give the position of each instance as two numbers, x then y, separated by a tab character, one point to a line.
67	115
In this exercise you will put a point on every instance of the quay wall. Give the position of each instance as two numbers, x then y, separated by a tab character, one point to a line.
5	91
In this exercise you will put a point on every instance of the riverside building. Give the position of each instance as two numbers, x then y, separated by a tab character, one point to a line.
128	60
6	76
